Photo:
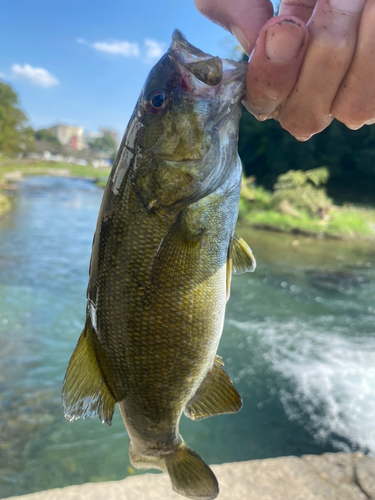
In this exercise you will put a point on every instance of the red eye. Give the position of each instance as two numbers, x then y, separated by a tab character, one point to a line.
156	102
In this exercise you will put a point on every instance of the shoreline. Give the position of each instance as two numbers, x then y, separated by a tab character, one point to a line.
13	171
306	234
331	476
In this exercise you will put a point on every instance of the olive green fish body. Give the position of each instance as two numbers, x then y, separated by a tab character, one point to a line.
163	253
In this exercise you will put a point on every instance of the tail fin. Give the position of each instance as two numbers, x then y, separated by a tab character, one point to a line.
189	475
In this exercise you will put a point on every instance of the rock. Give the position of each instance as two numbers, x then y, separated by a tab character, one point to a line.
366	476
332	476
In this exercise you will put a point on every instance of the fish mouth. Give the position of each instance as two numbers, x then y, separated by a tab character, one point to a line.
210	70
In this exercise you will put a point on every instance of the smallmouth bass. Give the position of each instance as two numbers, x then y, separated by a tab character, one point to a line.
163	254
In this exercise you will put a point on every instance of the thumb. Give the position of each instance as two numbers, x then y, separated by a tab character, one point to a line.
243	18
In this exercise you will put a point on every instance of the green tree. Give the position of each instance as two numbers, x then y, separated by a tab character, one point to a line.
47	136
106	143
15	134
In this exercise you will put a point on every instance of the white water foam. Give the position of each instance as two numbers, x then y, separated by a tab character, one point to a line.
332	373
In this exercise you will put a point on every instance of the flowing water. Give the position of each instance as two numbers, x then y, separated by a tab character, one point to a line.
299	344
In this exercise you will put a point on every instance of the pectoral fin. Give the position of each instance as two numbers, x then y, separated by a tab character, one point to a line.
240	259
85	393
216	395
178	254
242	256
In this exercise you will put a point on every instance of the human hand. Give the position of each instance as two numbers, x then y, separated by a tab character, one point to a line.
312	63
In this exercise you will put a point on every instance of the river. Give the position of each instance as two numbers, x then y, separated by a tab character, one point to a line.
298	342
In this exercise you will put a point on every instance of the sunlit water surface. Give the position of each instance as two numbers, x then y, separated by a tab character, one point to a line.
298	342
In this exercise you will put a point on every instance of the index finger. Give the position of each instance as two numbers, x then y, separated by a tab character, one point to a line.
243	18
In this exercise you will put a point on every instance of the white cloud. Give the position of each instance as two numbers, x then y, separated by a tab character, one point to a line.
122	47
37	76
154	49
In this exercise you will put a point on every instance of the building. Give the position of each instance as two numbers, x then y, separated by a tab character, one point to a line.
69	136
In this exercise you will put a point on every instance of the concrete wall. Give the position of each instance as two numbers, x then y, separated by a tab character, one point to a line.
332	476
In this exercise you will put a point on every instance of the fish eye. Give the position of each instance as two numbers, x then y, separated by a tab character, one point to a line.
156	102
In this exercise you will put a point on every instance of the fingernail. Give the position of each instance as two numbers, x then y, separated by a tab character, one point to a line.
353	6
241	38
355	126
283	41
304	138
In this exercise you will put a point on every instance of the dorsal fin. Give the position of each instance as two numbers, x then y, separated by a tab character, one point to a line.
215	396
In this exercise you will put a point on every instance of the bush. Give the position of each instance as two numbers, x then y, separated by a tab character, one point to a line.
298	190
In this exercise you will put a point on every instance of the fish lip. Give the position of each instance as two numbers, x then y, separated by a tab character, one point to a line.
234	70
184	53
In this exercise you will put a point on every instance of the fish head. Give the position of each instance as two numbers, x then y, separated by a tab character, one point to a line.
186	95
190	105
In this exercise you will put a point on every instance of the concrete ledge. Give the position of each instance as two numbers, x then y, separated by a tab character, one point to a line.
332	476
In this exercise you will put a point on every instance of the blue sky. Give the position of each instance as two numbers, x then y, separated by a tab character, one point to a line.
84	62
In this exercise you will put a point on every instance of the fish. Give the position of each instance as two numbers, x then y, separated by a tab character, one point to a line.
163	254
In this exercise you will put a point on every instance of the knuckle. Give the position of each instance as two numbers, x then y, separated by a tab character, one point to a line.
331	60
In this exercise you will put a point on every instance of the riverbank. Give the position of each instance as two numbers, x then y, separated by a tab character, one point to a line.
257	206
299	205
12	171
332	476
344	223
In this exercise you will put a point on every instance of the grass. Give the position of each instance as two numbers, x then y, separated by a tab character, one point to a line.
299	204
30	167
5	203
341	222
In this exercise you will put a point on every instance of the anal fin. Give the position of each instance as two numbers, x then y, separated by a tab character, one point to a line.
215	396
85	393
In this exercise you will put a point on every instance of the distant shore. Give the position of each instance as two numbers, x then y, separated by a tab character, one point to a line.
299	204
342	223
13	171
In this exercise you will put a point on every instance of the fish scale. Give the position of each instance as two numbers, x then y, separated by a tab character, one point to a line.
163	254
